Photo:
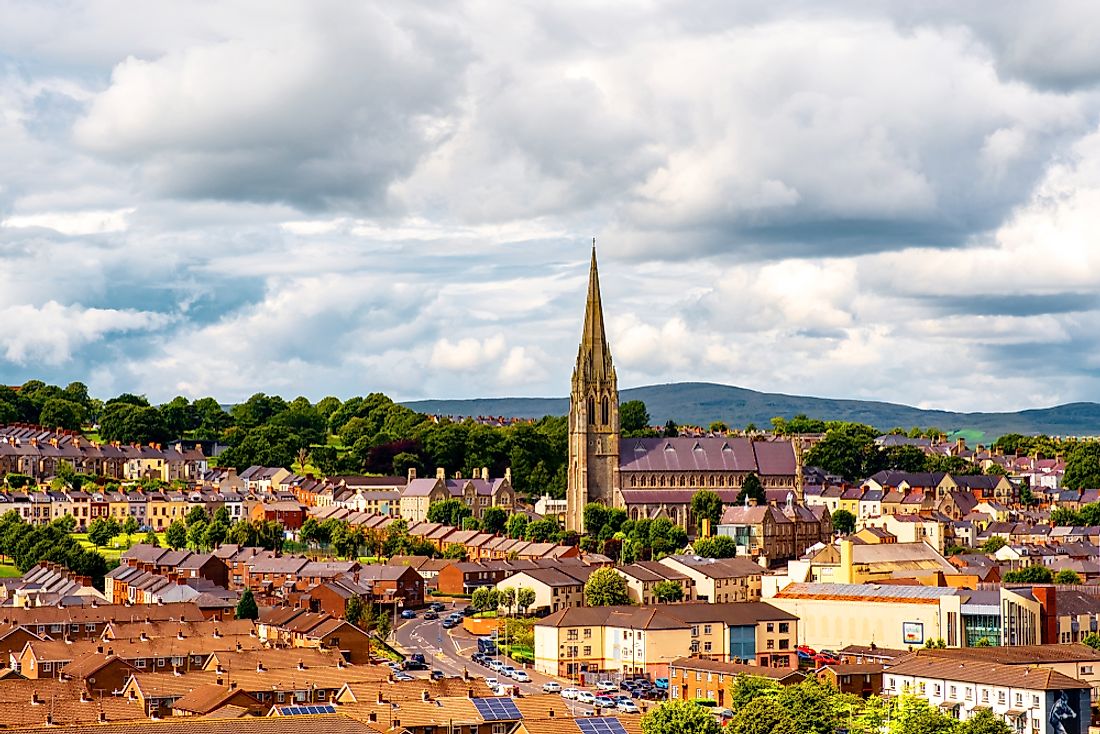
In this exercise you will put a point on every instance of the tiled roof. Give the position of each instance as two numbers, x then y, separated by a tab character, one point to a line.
975	671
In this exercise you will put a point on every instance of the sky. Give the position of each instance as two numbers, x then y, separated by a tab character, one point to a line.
891	201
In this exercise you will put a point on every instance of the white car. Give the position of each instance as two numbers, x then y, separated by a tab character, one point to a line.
496	665
500	691
627	707
586	697
508	670
569	694
552	687
520	676
491	682
606	685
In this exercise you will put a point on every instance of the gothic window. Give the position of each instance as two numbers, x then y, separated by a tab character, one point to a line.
605	412
682	482
591	410
662	481
633	481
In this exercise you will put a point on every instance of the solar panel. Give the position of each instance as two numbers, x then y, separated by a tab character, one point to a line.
600	725
497	709
303	710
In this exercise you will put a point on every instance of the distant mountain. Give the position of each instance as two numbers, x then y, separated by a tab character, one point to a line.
699	403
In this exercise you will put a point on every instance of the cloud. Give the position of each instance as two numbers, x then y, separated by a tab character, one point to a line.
854	200
51	333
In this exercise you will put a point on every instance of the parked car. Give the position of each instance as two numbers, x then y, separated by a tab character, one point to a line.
496	665
551	687
448	624
508	670
604	702
520	676
586	697
661	683
437	606
403	677
418	657
569	694
415	665
408	614
436	675
486	645
606	685
468	611
627	707
826	658
431	615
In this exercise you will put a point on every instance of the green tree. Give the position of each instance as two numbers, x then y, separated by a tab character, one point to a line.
102	530
455	551
196	514
1092	640
848	449
633	418
176	535
216	533
479	600
1030	575
718	427
246	606
506	598
844	522
679	717
605	588
542	531
1067	576
525	597
151	539
196	534
718	546
912	715
668	591
18	481
449	512
984	721
62	413
130	525
595	517
746	688
752	489
706	505
347	539
671	429
494	519
994	544
355	610
763	716
1083	467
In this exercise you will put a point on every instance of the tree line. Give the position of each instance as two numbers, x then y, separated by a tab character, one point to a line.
27	545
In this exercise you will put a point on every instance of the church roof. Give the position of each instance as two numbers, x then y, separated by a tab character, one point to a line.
594	356
717	453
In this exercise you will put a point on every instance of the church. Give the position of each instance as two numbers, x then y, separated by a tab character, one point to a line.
652	477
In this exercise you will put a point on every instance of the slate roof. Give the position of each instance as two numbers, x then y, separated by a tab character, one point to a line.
710	453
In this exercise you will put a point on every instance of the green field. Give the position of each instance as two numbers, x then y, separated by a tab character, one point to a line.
8	571
118	545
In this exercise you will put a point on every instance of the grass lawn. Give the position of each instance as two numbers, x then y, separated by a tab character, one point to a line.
8	571
118	545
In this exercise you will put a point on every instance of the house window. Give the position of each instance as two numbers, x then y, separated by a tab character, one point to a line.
695	631
140	662
587	651
771	627
572	635
784	628
706	647
706	629
1001	697
588	633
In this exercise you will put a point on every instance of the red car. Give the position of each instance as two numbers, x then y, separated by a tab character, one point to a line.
826	657
805	652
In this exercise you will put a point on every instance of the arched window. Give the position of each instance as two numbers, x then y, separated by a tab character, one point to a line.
591	410
605	413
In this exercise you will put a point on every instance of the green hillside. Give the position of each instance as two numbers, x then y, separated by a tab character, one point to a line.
699	403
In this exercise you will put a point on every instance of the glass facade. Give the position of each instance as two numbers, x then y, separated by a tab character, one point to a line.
743	643
978	627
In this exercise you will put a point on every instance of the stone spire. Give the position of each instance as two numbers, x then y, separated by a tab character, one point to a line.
594	356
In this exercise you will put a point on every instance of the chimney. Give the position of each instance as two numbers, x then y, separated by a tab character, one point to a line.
35	700
412	473
301	665
458	475
372	717
102	717
49	719
551	713
440	473
508	474
485	473
424	696
84	697
221	681
219	669
259	667
143	637
232	685
379	698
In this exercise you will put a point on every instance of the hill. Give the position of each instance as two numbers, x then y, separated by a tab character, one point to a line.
699	403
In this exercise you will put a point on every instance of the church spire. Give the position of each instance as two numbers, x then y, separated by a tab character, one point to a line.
594	357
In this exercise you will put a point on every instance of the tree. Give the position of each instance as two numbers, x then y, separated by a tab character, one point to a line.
525	597
196	534
706	505
176	535
679	717
912	715
718	427
633	418
1030	575
719	546
246	606
355	610
62	413
130	525
102	530
994	544
479	600
506	598
347	539
449	512
984	721
18	481
542	531
1083	467
848	449
605	588
844	522
216	533
151	539
668	591
196	514
595	517
752	489
671	429
455	551
1092	640
494	519
746	688
1067	576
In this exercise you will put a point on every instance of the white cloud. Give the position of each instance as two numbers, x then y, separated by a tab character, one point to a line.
74	223
51	333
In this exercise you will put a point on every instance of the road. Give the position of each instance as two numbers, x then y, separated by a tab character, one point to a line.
450	651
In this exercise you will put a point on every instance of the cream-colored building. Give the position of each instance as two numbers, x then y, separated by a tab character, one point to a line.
911	529
642	579
848	562
719	580
645	639
554	588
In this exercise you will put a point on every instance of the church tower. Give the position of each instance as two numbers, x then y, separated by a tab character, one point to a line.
593	416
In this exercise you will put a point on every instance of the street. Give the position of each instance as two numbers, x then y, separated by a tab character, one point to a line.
449	651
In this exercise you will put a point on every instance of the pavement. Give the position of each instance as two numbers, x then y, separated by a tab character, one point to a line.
449	651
